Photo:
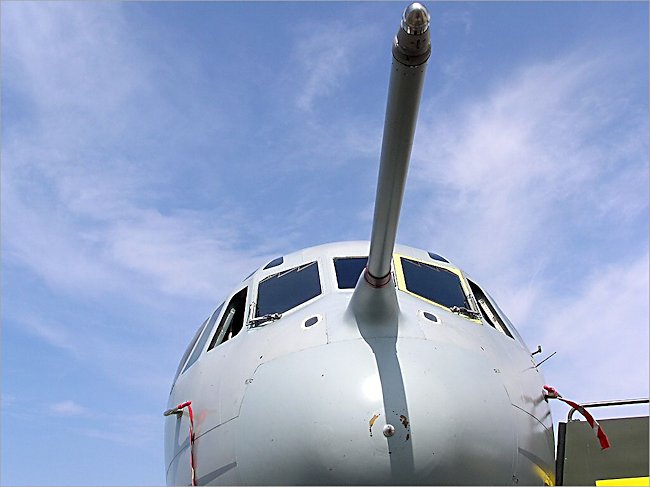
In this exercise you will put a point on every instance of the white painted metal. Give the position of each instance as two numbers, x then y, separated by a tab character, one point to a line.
285	404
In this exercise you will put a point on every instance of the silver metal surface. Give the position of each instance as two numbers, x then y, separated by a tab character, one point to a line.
389	430
404	91
412	44
415	19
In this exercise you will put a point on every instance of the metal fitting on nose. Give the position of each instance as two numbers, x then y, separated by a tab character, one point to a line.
389	430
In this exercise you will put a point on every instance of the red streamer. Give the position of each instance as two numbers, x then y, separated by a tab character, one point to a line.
188	405
596	428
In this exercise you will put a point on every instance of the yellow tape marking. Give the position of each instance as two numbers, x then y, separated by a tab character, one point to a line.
627	481
401	281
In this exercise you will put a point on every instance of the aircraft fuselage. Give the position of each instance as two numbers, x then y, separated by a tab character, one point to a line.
305	399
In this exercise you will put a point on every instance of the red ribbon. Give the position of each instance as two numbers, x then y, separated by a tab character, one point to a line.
596	428
188	405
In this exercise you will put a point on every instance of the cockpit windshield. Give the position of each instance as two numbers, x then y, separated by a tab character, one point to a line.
287	289
434	283
348	270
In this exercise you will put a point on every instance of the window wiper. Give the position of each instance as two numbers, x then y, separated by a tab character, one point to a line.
461	310
264	319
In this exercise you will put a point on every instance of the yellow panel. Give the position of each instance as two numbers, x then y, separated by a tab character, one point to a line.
401	282
399	273
627	481
542	475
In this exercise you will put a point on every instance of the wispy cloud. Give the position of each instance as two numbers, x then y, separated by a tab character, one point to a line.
68	408
134	430
53	334
64	42
324	57
527	159
90	202
84	218
601	331
452	18
326	53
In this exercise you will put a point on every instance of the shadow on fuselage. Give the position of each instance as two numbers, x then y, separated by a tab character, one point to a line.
377	315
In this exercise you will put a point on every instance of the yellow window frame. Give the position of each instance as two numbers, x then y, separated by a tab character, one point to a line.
401	281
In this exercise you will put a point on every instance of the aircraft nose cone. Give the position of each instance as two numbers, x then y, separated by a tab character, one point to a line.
353	413
415	19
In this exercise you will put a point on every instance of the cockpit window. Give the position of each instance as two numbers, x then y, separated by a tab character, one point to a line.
232	321
188	350
434	283
285	290
200	344
435	256
488	311
274	263
348	270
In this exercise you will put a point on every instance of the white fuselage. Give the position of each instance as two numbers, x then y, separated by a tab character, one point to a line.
305	398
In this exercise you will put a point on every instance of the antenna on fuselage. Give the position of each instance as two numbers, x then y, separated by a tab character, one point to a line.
411	51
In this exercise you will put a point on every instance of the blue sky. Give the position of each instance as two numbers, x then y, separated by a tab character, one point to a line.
154	154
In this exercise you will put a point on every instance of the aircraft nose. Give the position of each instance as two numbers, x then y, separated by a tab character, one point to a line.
353	412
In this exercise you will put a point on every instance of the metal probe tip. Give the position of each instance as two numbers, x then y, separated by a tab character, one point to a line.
415	19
